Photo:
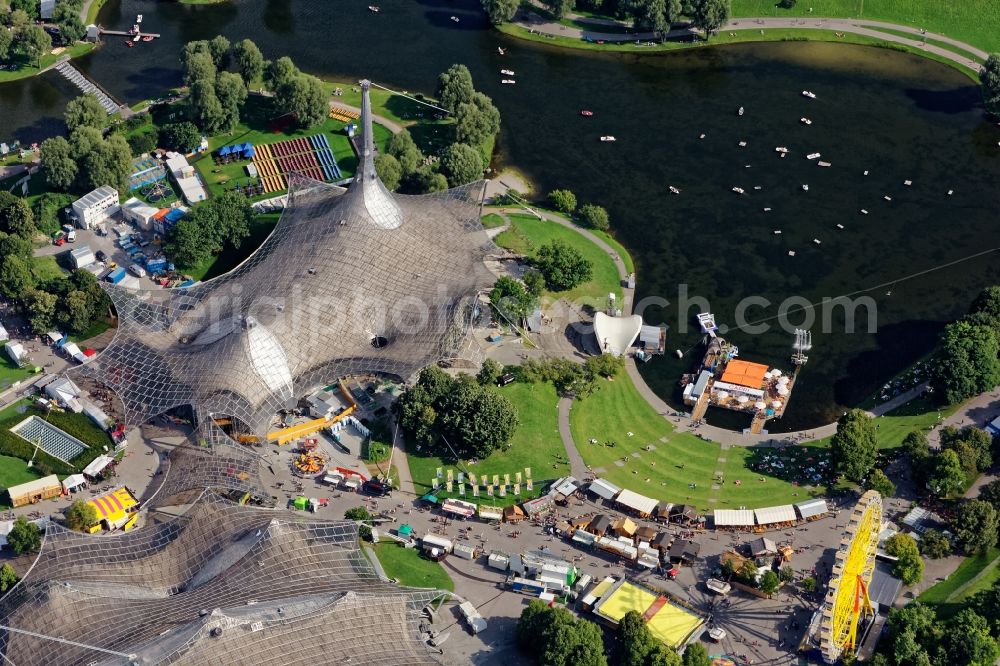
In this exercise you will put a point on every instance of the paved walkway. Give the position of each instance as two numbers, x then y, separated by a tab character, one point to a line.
391	125
536	23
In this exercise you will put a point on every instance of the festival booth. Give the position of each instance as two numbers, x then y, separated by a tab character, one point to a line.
490	513
604	489
775	517
114	510
458	508
35	491
639	504
736	519
813	509
95	470
74	481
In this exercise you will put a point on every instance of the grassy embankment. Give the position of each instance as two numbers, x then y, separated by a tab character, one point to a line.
30	69
973	575
535	445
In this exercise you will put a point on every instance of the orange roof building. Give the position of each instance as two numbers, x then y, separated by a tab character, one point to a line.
744	373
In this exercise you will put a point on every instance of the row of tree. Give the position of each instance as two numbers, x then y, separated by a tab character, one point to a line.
989	79
591	215
457	417
966	360
476	125
553	636
647	15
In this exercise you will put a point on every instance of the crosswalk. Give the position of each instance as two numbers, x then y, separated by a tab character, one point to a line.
87	86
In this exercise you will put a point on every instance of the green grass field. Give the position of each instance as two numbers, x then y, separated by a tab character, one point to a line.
47	267
536	445
948	595
972	21
919	414
14	471
29	69
667	472
528	233
492	221
10	373
411	568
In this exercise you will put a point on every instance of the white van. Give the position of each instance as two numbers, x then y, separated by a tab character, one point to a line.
137	270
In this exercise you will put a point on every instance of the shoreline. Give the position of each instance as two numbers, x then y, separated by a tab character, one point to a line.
533	25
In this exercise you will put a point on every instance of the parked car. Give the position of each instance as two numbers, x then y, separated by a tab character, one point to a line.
100	255
137	270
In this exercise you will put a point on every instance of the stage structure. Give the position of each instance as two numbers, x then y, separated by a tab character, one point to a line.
352	281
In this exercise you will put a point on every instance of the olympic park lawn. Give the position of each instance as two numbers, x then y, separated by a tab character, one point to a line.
10	373
527	234
535	445
678	459
973	575
410	568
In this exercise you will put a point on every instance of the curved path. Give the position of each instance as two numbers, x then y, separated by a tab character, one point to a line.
536	23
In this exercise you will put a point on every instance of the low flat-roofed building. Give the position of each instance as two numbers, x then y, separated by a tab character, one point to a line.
775	515
96	206
633	501
34	491
139	213
812	509
603	489
81	256
733	518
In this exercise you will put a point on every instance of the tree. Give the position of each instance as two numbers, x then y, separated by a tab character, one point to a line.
249	61
696	655
16	216
76	311
987	604
559	8
6	42
934	544
80	515
991	493
880	483
534	282
604	365
180	137
915	445
989	80
462	164
402	147
24	537
655	15
360	514
975	526
185	243
947	477
231	94
854	447
562	265
389	170
33	43
455	87
16	245
558	637
199	66
223	221
84	140
303	96
563	201
8	577
988	303
710	15
809	584
218	46
476	121
29	7
108	163
18	20
638	647
965	362
71	29
40	308
15	276
595	217
968	640
511	299
769	582
279	72
909	566
143	142
786	574
489	373
207	111
500	11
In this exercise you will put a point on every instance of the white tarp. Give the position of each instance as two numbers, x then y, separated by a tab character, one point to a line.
775	514
459	508
736	388
97	465
636	502
812	508
733	518
73	481
3	334
604	489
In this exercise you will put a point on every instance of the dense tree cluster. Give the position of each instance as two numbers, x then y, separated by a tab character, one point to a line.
854	447
500	11
646	15
457	417
934	544
570	377
966	359
223	221
975	526
555	637
72	304
87	159
917	637
295	92
216	96
80	515
477	122
21	41
24	536
989	79
511	299
880	483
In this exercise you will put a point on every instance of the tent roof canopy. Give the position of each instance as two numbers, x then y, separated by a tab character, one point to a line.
744	373
733	518
775	514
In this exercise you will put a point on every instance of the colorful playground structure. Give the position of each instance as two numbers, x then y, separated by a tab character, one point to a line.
310	156
145	171
343	115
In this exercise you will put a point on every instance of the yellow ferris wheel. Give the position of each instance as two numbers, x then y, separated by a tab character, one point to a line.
847	599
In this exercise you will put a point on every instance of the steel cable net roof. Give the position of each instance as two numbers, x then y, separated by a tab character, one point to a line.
223	583
349	282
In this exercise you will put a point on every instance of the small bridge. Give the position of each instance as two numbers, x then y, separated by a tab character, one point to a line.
79	79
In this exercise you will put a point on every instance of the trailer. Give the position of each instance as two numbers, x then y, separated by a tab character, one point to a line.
717	586
526	586
437	547
116	276
472	617
466	551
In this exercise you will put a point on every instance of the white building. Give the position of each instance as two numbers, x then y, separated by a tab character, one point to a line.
139	213
81	256
65	393
187	181
17	353
94	208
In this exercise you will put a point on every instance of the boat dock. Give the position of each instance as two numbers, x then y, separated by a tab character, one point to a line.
129	33
722	380
87	86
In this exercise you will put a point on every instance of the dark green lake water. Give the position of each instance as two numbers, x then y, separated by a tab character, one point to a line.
898	116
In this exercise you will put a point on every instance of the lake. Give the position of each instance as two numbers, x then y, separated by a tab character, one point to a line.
897	116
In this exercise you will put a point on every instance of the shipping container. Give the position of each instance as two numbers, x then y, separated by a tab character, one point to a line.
465	550
116	276
527	586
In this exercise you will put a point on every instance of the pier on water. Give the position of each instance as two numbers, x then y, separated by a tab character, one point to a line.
80	80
